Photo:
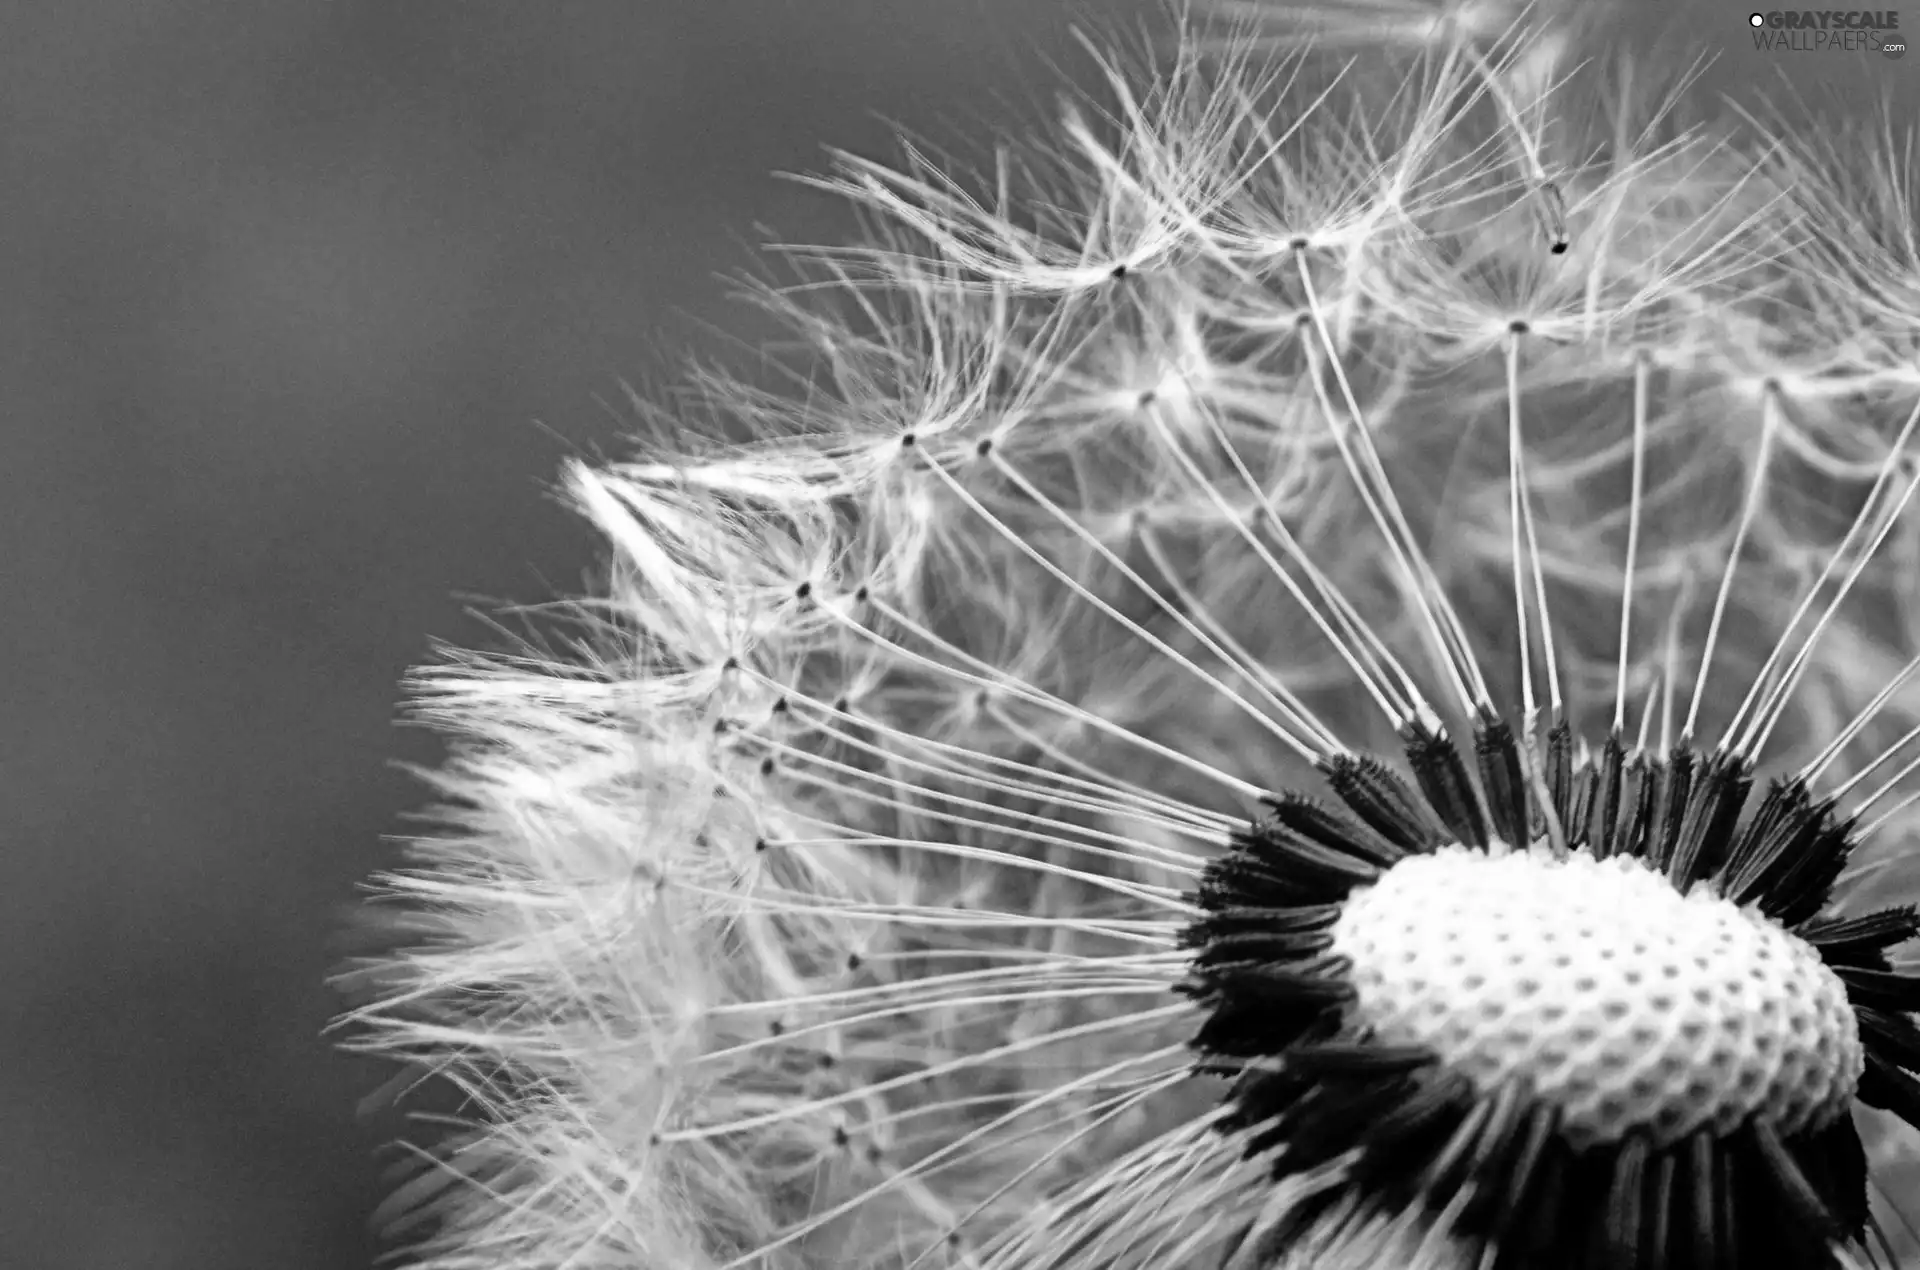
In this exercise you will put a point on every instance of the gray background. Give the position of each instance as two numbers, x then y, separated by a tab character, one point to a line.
300	306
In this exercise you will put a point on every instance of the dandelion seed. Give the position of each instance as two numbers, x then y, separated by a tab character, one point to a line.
1553	210
1415	24
1235	713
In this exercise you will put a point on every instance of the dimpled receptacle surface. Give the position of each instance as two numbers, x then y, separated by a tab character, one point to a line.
1612	996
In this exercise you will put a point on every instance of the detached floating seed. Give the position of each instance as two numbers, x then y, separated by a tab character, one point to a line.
1554	213
1643	1053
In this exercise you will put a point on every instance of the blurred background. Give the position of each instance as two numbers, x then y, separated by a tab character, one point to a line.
301	306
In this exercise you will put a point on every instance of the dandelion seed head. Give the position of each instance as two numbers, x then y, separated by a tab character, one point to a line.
1314	669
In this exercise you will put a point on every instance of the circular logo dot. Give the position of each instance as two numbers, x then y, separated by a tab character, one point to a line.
1756	19
1894	50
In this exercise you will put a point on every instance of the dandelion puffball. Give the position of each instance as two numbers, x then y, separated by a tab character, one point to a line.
1315	671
